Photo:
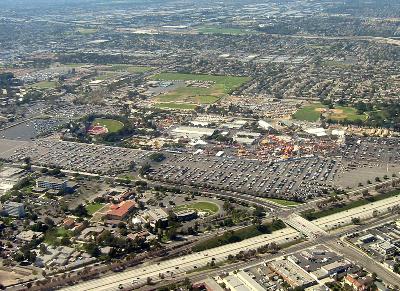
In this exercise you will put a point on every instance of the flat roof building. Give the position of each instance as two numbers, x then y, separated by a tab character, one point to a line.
294	275
192	132
51	183
14	209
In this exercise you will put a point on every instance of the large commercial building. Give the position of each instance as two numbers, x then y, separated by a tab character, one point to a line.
51	183
120	211
14	209
294	275
192	132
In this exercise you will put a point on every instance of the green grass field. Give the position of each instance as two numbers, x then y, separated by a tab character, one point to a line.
313	111
45	85
203	206
128	68
220	87
94	207
348	113
309	112
222	30
111	124
52	237
283	202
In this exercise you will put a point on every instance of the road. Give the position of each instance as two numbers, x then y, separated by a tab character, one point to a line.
184	264
176	269
361	259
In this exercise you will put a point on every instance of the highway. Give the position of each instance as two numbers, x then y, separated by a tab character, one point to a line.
181	265
177	268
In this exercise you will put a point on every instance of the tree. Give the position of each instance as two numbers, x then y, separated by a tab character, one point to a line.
80	211
144	169
157	157
92	249
42	249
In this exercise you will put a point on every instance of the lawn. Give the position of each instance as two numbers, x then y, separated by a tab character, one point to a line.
283	202
313	111
219	87
182	106
45	85
52	236
309	112
348	113
94	207
203	206
111	124
128	68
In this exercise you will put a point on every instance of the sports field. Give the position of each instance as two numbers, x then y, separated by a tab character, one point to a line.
312	112
111	124
202	206
45	85
215	87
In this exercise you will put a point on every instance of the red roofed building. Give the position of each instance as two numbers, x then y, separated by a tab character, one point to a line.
121	210
359	284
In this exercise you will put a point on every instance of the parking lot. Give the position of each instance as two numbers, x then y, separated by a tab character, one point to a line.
300	179
372	150
89	158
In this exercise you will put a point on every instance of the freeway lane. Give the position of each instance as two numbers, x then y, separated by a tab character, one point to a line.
185	263
329	240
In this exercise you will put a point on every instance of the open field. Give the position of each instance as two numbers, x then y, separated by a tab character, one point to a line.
94	207
218	87
202	206
312	112
309	112
44	85
111	124
348	113
128	68
222	30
